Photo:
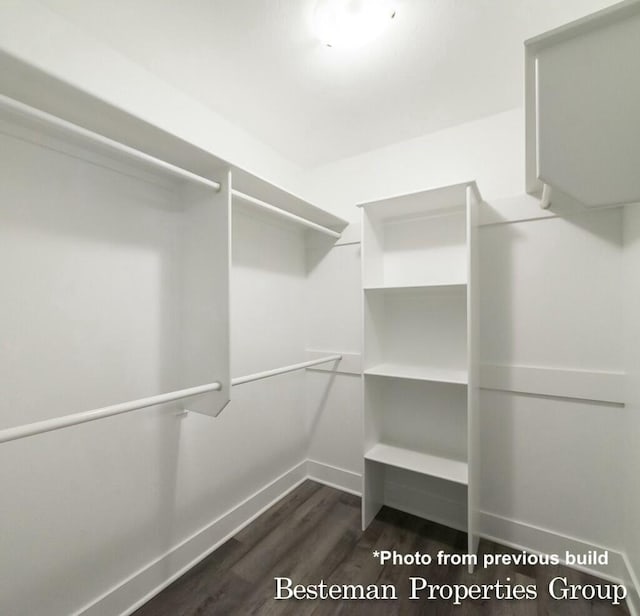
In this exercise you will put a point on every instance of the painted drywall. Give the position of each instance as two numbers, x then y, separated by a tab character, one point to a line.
89	271
552	297
490	151
267	331
333	324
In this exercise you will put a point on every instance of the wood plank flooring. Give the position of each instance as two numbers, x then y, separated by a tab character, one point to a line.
314	534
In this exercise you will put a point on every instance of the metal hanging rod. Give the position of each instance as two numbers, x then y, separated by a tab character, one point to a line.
83	135
48	425
263	375
284	214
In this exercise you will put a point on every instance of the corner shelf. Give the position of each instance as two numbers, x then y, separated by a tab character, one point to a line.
427	464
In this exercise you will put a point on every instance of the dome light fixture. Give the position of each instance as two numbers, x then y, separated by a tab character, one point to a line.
351	23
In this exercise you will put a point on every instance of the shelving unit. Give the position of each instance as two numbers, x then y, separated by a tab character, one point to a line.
419	279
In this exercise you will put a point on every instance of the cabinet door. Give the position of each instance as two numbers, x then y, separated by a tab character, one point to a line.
583	96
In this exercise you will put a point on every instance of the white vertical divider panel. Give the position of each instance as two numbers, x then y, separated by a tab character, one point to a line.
373	473
372	267
207	253
473	387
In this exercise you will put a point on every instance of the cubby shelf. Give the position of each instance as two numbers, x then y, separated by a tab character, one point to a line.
435	466
418	373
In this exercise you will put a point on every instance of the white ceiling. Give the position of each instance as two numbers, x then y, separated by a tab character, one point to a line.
256	62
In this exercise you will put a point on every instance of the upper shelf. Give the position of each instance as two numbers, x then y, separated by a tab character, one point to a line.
253	186
70	106
25	122
418	239
582	99
436	201
35	88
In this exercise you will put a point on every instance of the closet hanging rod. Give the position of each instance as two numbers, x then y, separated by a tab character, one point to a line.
263	375
84	135
272	208
48	425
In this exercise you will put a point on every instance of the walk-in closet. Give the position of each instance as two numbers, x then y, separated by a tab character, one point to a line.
319	307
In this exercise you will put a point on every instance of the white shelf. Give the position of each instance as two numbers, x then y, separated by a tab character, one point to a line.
250	184
34	125
422	203
419	373
435	466
445	287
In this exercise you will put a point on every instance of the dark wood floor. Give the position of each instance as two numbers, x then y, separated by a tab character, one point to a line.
314	534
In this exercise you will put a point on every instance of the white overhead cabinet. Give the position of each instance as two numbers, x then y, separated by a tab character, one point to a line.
419	286
582	102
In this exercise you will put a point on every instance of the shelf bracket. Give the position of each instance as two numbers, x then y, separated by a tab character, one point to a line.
545	201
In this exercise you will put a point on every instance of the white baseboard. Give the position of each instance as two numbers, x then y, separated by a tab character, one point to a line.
144	584
335	477
539	540
522	536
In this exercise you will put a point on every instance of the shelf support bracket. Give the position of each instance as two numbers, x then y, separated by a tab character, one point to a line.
545	201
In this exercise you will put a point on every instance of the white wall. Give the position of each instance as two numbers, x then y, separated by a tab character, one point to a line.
333	324
91	316
551	297
490	151
267	331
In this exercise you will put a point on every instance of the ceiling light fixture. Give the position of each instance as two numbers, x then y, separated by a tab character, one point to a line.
351	23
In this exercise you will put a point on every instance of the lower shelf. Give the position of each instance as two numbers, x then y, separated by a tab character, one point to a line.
435	466
419	373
